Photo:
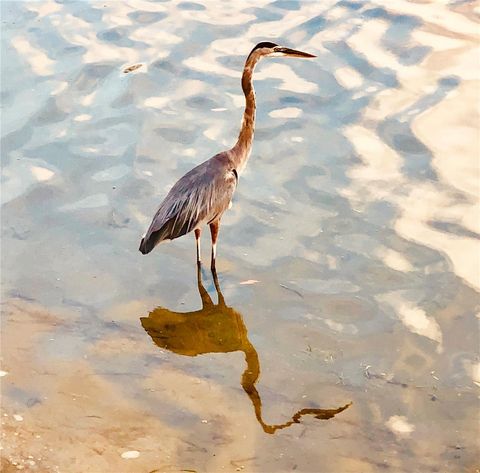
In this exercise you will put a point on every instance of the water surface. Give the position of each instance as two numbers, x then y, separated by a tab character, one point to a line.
345	337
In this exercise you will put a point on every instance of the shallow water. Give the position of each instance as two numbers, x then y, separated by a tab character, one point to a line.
348	264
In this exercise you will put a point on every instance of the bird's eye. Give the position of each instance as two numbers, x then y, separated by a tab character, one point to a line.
277	51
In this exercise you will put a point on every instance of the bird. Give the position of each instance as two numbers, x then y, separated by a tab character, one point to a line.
202	195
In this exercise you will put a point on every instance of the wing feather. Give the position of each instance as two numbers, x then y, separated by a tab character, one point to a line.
200	196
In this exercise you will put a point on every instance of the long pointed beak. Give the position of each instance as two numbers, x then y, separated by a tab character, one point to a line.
293	52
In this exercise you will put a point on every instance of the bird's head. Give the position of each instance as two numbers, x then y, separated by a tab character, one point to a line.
266	48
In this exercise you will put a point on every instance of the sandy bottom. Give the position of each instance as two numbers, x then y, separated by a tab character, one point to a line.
67	416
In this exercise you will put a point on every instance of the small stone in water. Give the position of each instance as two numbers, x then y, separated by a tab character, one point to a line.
132	68
17	417
131	454
248	282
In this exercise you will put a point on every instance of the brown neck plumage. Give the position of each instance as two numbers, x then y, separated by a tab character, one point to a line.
243	146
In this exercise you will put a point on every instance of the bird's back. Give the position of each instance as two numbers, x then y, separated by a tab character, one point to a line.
199	197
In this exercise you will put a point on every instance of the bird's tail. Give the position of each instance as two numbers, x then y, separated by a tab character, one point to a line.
147	244
166	232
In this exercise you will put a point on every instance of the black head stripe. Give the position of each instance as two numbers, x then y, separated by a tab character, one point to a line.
263	44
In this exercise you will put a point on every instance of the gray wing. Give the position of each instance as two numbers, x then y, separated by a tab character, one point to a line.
199	197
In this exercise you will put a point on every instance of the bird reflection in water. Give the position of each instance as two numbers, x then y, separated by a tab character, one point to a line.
217	328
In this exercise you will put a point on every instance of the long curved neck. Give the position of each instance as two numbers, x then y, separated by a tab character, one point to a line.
243	145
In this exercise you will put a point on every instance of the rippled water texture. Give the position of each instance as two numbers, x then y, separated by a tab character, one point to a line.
343	337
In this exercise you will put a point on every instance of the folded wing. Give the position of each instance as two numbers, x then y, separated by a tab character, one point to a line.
199	197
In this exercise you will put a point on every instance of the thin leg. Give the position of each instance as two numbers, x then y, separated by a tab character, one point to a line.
206	299
214	227
197	239
221	300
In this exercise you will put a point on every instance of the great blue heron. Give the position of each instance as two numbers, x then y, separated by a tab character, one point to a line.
202	195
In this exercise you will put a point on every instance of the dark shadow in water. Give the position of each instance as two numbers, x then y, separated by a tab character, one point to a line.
217	328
